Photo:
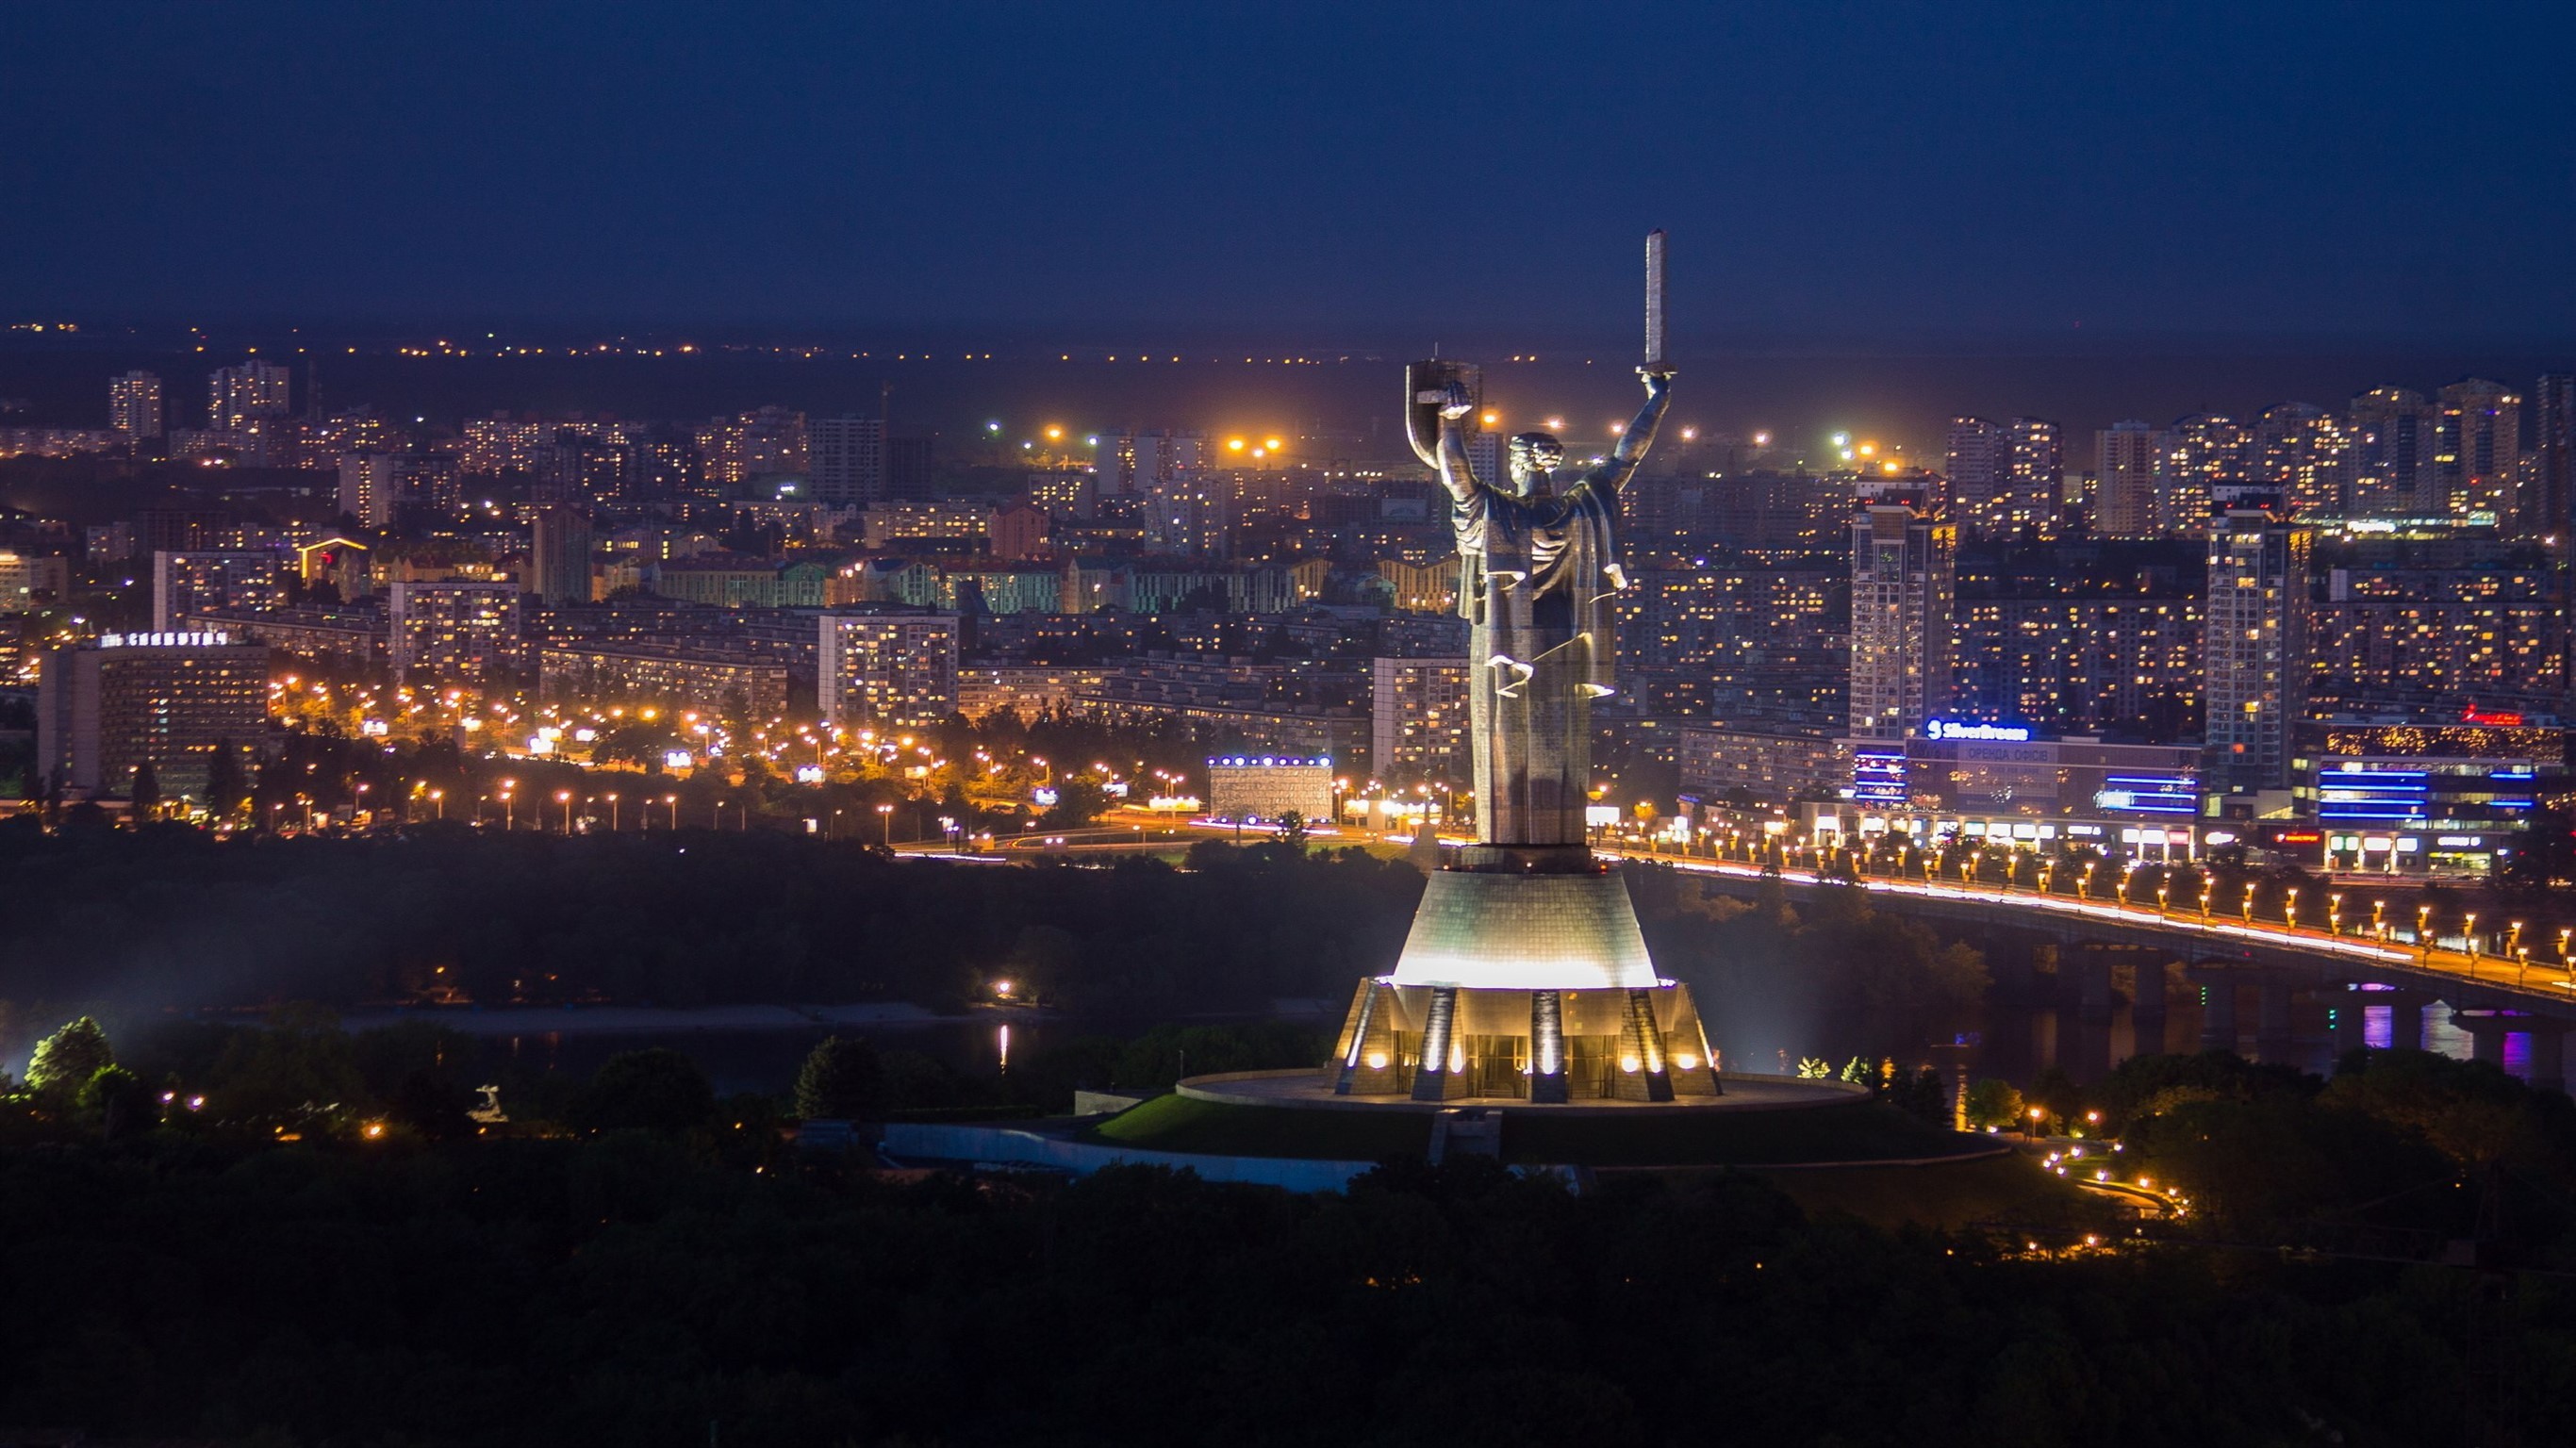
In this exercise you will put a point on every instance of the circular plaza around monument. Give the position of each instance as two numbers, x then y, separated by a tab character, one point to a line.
1313	1090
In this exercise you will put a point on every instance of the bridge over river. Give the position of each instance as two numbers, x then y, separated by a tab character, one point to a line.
2490	997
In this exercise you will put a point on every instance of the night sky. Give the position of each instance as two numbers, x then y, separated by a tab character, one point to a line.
1340	170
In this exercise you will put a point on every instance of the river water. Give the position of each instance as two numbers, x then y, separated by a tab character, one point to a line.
2013	1042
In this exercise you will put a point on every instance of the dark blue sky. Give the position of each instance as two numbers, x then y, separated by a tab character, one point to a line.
1326	170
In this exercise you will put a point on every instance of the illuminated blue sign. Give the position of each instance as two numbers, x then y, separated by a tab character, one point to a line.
1965	729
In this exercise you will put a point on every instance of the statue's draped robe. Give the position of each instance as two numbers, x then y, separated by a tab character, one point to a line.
1536	581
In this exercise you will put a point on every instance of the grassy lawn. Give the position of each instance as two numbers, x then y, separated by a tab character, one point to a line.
1181	1123
2002	1188
1860	1131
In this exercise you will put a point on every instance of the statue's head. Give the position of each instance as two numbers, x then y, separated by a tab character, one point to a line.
1535	458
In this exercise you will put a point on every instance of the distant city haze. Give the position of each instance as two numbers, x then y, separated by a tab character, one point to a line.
1345	408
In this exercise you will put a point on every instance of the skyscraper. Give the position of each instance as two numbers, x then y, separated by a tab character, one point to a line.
134	407
1979	463
2479	450
2393	473
2255	644
848	458
1903	572
2126	460
2543	512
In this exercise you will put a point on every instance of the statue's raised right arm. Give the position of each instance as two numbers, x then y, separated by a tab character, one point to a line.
1455	473
1640	433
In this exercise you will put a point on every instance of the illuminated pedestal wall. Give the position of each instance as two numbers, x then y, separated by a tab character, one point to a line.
1443	1043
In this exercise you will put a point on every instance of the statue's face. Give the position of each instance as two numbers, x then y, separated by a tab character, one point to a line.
1535	456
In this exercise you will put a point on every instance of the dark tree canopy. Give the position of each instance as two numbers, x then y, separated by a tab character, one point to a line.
841	1080
71	1056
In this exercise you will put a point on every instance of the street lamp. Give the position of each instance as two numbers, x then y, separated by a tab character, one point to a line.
2334	914
509	809
885	823
612	812
2249	902
2424	928
2290	908
673	801
2206	891
438	797
564	797
2469	940
2513	937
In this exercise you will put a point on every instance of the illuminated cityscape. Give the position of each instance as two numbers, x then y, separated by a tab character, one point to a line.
902	725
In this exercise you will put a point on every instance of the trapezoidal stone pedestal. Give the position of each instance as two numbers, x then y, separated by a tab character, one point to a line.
1524	976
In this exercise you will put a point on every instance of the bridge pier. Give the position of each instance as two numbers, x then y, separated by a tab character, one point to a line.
2272	1015
2217	1010
2147	1010
2549	1052
2350	1020
2487	1030
2406	1019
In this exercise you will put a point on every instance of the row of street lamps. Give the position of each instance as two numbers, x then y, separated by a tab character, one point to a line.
1820	857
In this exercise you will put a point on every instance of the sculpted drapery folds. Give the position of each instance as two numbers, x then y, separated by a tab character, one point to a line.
1539	566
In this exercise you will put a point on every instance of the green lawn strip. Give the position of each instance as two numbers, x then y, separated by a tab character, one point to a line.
1182	1123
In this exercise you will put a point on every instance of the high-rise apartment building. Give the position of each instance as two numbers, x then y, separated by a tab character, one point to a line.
1418	727
766	442
1903	574
886	670
2254	648
2433	630
1189	514
2038	479
2478	450
1129	463
2543	512
501	443
453	628
2394	475
559	548
106	707
847	457
185	581
29	581
2128	458
1978	461
370	486
2305	454
2203	454
240	398
134	408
